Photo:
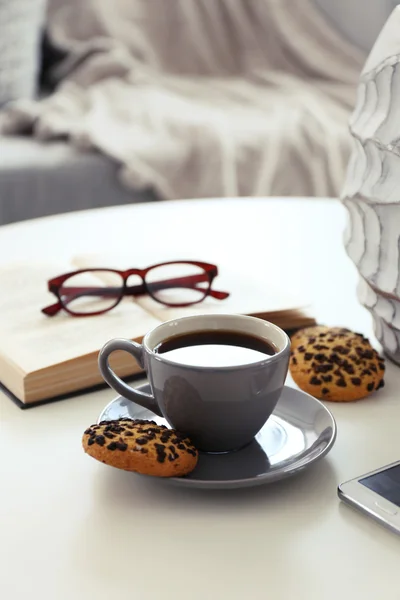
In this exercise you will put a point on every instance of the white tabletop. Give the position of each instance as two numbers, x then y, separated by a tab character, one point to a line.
71	528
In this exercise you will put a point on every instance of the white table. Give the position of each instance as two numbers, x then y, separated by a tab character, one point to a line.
73	529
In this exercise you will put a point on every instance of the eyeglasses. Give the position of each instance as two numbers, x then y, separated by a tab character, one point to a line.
90	292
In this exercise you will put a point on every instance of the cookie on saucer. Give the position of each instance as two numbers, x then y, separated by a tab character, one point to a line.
337	365
141	446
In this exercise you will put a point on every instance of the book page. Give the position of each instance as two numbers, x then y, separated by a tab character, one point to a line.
32	340
250	293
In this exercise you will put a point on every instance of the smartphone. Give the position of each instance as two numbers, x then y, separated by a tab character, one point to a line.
376	494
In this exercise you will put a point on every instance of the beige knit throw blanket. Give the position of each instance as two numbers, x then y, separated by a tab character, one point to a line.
200	98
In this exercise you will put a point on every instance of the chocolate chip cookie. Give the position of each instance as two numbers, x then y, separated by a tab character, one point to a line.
337	365
141	446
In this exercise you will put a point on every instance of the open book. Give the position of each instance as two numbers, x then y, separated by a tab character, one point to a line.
42	358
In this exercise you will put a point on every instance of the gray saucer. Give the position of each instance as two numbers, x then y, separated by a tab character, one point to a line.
300	431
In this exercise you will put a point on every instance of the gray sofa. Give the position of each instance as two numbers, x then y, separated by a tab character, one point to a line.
43	179
49	178
39	179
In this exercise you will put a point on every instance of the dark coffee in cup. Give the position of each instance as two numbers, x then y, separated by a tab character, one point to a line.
213	348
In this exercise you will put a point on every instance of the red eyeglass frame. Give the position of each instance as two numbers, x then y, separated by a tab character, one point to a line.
210	272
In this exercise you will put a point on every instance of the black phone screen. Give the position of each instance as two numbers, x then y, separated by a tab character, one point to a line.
385	483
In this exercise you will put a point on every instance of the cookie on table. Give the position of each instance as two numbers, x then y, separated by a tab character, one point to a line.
141	446
302	335
340	366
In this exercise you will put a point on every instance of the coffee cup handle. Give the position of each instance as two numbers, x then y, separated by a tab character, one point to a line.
136	350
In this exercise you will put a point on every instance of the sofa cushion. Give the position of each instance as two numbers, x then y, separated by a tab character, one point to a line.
39	179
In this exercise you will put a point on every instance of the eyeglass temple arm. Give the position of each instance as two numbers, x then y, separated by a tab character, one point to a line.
135	290
52	309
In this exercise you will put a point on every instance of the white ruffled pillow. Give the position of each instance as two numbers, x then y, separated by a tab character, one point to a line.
21	23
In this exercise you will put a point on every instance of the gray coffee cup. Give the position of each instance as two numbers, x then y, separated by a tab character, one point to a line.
219	408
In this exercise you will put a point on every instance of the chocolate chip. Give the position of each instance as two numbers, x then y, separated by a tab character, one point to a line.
323	334
341	382
181	446
356	380
100	440
89	431
109	435
315	381
326	378
301	349
325	390
144	450
121	446
144	422
323	368
165	437
161	454
338	372
320	357
312	340
380	384
128	433
366	372
191	452
370	387
341	349
116	429
294	361
308	356
321	347
334	357
142	441
368	354
112	446
179	437
373	368
172	448
90	442
348	368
